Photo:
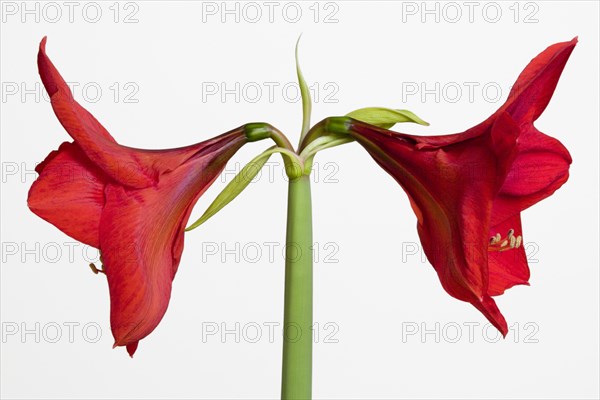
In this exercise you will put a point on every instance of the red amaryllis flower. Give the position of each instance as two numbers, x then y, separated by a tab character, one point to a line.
468	189
131	204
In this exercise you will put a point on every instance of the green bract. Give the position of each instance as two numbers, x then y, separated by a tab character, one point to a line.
306	99
385	117
243	179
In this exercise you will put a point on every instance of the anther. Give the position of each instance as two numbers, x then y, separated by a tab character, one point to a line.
96	270
497	243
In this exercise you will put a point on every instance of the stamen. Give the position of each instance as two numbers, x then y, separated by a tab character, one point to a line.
96	270
497	243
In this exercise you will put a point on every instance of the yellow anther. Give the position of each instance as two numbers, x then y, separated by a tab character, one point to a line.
497	243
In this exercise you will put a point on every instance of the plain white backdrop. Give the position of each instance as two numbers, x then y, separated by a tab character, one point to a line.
163	74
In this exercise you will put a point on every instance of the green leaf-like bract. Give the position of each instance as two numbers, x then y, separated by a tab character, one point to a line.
306	99
385	117
234	188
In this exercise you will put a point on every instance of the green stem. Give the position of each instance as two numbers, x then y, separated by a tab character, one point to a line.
281	140
330	125
297	320
256	131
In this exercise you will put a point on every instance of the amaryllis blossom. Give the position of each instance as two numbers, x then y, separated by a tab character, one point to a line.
468	189
131	204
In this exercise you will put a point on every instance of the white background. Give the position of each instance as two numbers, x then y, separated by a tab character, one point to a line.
376	291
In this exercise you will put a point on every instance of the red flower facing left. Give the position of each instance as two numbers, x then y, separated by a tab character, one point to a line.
131	204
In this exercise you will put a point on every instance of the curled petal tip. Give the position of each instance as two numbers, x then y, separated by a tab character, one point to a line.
131	348
50	77
572	43
487	306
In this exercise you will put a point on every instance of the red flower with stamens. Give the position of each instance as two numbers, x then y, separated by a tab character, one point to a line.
131	204
468	189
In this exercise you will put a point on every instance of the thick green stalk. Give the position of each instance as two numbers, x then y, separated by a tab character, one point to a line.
298	307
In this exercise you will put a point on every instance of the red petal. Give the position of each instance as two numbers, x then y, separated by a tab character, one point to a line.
141	240
540	168
528	98
100	147
131	348
534	87
166	160
69	193
51	78
136	242
132	167
487	306
452	191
